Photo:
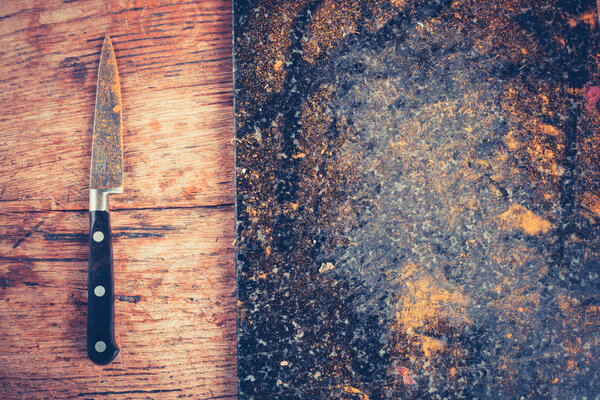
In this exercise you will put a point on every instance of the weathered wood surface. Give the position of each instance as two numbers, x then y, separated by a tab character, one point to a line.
173	226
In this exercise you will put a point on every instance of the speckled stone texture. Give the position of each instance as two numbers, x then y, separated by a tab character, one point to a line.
418	199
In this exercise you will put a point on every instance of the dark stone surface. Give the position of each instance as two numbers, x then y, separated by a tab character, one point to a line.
417	199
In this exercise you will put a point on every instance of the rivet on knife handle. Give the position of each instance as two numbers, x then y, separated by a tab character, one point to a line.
106	176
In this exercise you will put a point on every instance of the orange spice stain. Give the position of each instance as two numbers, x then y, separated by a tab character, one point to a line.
399	3
511	142
430	345
332	21
590	202
518	217
425	302
354	391
278	65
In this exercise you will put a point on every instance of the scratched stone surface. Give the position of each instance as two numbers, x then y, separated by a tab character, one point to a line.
418	203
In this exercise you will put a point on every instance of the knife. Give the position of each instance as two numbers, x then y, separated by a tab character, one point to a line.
106	177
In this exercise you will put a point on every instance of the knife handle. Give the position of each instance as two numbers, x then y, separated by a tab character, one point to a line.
101	345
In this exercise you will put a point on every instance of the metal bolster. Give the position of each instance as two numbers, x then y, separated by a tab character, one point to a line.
99	198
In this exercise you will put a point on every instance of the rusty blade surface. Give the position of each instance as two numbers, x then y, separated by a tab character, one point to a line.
107	149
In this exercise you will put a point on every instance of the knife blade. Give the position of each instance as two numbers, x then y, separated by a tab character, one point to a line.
106	177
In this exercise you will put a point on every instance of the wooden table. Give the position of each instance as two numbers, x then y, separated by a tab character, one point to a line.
173	226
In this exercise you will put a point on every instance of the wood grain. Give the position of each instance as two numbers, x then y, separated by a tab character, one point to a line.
173	227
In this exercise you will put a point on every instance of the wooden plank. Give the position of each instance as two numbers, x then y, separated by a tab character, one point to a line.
175	307
174	62
173	226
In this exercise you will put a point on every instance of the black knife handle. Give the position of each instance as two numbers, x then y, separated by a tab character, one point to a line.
101	346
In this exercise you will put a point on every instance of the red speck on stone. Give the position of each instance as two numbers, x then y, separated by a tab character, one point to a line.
592	95
405	375
403	370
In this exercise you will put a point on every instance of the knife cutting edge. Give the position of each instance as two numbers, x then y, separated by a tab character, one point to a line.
106	177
